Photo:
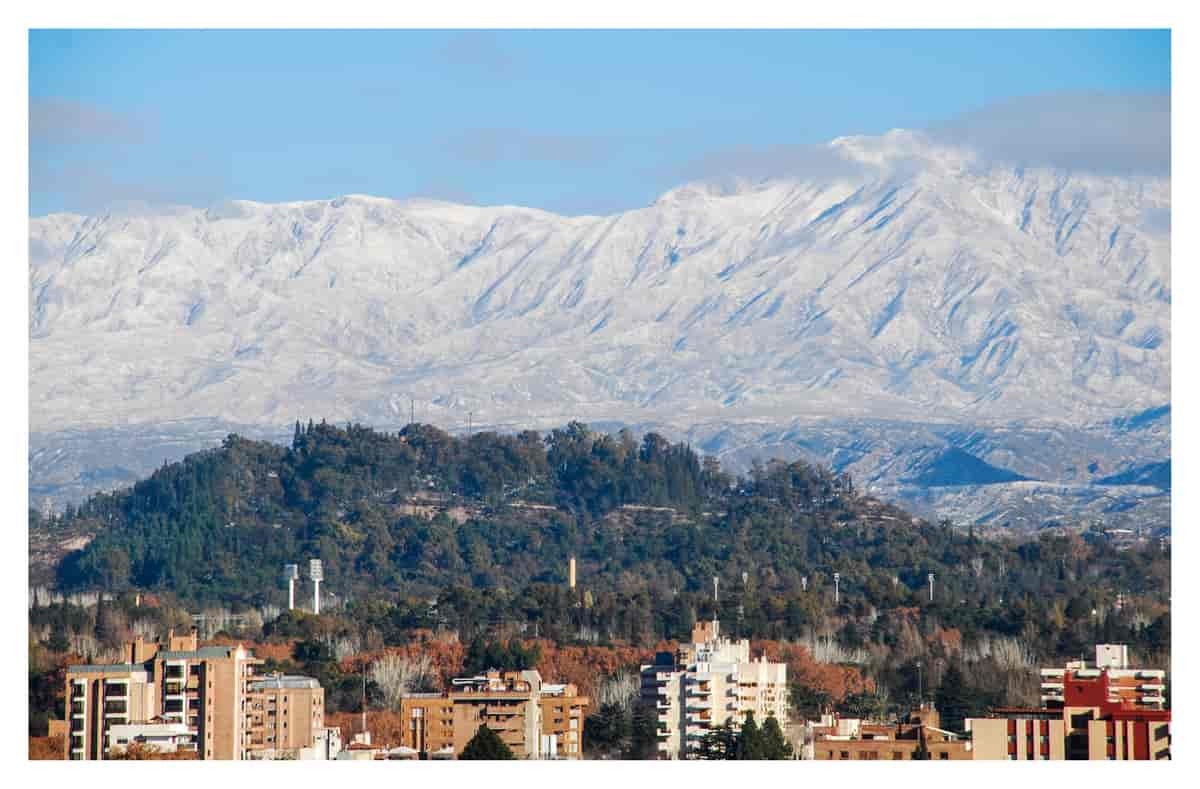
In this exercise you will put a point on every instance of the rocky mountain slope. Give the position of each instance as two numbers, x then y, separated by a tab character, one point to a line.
920	288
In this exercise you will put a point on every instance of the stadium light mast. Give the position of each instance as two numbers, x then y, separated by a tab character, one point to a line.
291	572
317	574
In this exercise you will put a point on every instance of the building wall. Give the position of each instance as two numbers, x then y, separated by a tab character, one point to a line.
284	718
98	697
710	682
563	717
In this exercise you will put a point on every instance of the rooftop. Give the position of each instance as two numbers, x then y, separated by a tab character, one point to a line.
285	681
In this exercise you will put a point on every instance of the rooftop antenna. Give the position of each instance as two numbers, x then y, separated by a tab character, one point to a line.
290	573
317	574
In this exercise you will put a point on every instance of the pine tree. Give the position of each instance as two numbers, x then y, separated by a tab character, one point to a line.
953	701
642	740
775	745
486	745
750	740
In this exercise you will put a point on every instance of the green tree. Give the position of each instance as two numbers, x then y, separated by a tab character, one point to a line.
486	745
642	740
775	745
750	743
953	699
607	729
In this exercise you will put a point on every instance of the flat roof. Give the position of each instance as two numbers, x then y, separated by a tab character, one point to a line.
198	654
286	681
92	668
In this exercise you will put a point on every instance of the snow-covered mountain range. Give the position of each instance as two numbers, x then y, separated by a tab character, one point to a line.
923	290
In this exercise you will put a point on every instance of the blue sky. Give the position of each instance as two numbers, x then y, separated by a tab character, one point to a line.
574	122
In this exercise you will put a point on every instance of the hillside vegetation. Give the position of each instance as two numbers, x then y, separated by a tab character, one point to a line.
469	531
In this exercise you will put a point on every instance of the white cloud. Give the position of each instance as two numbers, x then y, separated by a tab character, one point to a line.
1102	133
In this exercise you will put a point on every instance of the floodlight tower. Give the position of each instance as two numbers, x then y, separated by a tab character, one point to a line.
316	574
291	572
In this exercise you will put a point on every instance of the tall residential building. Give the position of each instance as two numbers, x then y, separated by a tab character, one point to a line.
1107	710
535	720
286	714
707	683
208	690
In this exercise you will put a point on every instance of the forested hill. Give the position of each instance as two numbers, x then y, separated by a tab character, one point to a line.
421	514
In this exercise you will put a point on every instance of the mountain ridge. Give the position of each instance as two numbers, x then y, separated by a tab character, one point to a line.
910	281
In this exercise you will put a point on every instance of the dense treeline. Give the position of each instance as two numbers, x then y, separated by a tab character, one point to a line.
423	529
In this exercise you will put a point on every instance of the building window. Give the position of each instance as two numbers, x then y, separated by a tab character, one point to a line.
943	756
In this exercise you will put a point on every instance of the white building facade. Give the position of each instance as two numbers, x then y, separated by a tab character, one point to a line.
707	683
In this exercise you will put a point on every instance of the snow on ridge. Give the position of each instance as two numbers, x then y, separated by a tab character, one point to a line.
931	290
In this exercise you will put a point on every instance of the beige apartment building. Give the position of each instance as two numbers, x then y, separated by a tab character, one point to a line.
707	683
285	715
210	691
535	720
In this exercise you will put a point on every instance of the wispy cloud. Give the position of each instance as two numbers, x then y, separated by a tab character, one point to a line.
1105	133
480	50
59	121
486	146
773	161
91	189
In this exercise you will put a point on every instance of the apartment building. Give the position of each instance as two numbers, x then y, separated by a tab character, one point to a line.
918	734
563	712
534	719
1103	711
707	683
177	682
286	714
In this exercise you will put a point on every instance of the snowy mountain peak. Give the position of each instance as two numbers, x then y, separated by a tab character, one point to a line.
908	284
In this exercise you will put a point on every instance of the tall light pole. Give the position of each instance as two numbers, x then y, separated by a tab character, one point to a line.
290	573
837	578
920	686
931	587
316	574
